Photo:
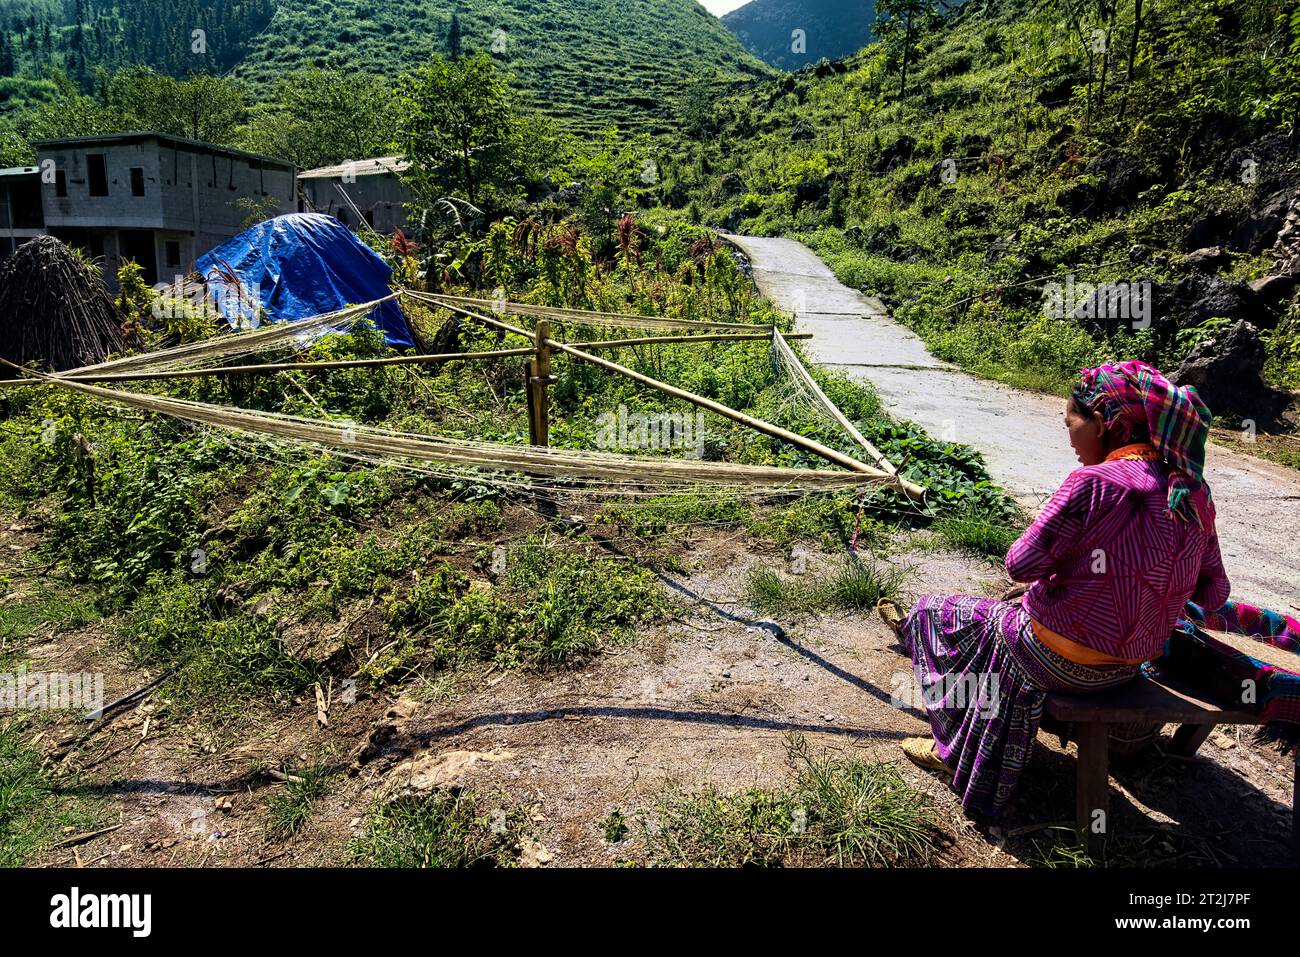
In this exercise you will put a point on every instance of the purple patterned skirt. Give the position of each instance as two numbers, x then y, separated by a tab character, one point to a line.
983	678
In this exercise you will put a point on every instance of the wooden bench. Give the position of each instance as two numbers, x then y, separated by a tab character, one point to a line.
1087	720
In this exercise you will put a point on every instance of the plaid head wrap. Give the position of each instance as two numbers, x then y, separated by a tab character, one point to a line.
1133	396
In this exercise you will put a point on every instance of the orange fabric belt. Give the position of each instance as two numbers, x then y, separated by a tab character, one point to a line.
1141	451
1079	654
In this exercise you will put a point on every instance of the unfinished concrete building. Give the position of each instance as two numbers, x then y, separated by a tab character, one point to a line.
368	191
158	200
21	217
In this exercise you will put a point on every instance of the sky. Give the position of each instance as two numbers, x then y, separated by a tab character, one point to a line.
719	7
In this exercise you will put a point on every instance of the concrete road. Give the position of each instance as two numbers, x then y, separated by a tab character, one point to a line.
1021	434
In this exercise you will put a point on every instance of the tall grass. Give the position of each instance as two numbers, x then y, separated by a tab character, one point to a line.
32	811
850	813
290	808
856	583
979	534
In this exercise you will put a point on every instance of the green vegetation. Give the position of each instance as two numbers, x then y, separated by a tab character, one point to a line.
586	63
850	813
46	606
979	534
444	829
830	29
856	584
553	609
956	174
461	133
614	826
291	806
33	810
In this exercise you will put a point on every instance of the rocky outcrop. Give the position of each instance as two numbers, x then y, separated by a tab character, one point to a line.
1274	224
1225	369
1275	291
1286	245
895	154
1208	259
1111	184
731	185
1231	300
1259	231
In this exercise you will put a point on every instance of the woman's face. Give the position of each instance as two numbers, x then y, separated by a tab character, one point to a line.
1087	435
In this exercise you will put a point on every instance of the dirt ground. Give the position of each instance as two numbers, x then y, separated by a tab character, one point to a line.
710	696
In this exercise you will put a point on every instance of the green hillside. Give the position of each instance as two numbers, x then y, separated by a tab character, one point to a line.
1022	149
585	62
794	33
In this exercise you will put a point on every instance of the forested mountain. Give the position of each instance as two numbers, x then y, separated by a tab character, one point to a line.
587	62
1013	142
793	33
176	37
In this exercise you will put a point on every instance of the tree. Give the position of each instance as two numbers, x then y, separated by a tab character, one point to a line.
1132	57
453	37
203	107
899	23
319	117
458	127
613	172
68	113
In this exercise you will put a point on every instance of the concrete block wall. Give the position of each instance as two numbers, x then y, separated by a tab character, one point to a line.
119	208
382	195
192	198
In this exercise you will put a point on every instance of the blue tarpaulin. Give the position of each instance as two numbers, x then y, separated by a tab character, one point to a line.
296	266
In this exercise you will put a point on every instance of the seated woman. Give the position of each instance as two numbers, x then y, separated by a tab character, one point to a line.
1108	565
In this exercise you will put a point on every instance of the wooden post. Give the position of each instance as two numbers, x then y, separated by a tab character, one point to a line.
530	373
1093	786
1189	738
539	380
1295	807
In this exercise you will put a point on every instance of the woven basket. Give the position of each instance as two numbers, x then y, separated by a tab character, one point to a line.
1132	738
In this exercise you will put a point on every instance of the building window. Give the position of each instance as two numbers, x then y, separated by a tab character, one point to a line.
60	183
137	180
173	254
98	173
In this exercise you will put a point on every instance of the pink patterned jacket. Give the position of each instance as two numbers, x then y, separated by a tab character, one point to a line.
1110	567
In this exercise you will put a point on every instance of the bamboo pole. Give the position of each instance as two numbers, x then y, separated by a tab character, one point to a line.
654	340
913	490
273	367
575	316
560	464
432	358
758	425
